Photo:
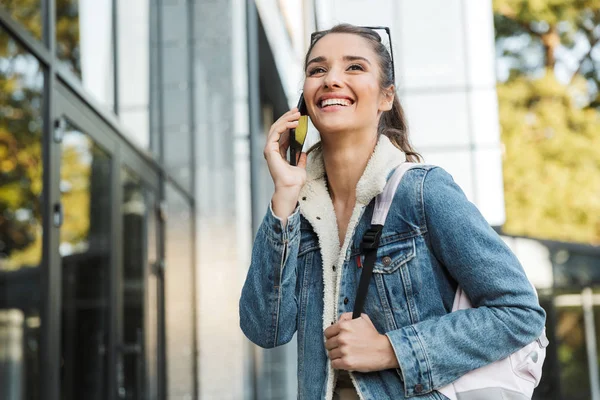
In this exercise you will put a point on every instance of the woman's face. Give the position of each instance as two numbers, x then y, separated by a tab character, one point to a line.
342	85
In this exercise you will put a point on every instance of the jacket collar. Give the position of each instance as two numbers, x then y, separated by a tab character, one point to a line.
386	157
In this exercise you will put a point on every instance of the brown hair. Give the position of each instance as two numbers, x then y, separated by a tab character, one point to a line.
393	122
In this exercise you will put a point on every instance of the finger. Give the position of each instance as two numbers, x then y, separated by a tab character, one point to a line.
288	117
279	128
332	331
335	354
302	161
332	343
284	144
339	363
346	316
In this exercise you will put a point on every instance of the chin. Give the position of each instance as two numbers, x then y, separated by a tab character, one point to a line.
334	125
333	128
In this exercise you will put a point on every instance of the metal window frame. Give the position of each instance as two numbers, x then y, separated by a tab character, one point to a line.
142	161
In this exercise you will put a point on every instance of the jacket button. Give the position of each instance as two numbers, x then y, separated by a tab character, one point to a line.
334	268
277	228
386	261
418	388
346	300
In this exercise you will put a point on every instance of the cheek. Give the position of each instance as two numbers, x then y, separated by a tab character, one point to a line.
370	94
309	90
310	87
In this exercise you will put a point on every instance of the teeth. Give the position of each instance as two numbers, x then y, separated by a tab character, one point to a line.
335	102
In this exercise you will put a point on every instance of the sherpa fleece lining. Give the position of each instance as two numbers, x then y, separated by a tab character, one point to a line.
316	206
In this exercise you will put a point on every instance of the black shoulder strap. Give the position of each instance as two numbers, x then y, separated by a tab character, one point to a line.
370	242
368	247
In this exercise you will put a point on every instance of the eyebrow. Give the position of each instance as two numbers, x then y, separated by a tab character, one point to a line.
346	58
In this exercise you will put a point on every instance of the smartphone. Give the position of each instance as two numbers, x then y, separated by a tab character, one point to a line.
298	135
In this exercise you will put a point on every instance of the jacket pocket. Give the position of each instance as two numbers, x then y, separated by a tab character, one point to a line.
393	283
393	255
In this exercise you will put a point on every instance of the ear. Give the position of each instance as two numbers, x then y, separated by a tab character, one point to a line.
387	99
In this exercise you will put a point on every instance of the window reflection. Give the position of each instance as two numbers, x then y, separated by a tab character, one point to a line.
28	13
179	298
84	45
137	224
85	251
21	87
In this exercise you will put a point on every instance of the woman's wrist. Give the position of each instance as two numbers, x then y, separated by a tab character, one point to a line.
388	354
283	204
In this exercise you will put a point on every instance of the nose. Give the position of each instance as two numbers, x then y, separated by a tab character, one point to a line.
333	79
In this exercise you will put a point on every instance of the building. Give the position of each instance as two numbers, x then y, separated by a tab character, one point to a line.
130	131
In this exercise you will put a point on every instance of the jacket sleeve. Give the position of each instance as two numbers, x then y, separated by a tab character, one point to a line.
506	314
268	304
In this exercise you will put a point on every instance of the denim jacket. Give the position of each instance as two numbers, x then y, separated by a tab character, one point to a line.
301	280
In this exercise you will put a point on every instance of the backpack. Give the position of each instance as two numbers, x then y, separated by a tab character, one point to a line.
514	377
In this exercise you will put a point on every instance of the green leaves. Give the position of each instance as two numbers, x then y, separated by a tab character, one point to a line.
552	160
550	116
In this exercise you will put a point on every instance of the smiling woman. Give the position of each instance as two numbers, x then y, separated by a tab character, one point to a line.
366	58
307	261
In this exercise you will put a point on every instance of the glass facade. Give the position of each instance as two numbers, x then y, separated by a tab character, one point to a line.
85	249
21	231
84	45
28	13
96	203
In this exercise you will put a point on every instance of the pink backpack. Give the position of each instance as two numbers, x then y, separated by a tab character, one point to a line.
514	377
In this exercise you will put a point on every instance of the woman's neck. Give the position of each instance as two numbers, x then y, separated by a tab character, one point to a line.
345	158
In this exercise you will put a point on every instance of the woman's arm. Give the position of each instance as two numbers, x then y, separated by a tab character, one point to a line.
268	304
507	314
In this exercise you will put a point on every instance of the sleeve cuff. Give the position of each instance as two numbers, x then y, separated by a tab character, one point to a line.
279	231
412	358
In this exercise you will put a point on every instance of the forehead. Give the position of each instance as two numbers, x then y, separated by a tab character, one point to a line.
334	45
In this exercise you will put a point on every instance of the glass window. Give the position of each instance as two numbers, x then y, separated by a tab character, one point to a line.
21	94
153	299
139	250
134	68
85	238
84	45
28	13
179	297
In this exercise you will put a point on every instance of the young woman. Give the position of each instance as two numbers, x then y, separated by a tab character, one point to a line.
306	261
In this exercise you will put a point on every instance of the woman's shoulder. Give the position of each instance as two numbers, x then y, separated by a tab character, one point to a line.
429	185
424	177
429	176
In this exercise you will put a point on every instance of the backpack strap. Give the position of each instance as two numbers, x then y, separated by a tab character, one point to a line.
370	242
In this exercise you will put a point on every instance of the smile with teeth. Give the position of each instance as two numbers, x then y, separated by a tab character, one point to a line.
335	102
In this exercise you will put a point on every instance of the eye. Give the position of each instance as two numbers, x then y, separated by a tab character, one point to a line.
316	70
356	67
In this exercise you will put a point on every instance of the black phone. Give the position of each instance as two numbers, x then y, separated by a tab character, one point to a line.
298	135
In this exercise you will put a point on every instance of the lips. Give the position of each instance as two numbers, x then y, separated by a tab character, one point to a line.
328	101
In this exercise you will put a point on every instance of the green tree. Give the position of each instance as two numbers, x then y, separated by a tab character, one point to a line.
21	98
549	97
